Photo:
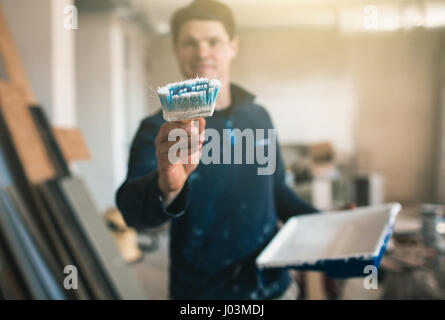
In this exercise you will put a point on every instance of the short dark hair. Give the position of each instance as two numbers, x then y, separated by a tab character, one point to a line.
203	10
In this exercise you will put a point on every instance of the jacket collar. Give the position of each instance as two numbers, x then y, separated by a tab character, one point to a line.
240	96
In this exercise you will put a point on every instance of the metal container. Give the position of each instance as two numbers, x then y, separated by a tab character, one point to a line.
432	215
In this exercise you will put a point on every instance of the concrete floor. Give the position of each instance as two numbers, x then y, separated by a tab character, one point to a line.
152	271
355	290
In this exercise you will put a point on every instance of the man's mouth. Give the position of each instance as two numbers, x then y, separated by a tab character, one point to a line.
203	68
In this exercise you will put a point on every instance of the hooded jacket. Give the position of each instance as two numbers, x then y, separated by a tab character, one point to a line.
224	215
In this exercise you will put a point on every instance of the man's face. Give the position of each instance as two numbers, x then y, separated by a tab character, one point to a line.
204	48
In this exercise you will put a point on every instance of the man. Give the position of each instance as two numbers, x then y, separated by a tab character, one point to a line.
222	215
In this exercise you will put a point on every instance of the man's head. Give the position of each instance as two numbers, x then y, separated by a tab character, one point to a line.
204	39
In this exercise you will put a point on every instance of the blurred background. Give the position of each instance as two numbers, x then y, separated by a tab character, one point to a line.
355	88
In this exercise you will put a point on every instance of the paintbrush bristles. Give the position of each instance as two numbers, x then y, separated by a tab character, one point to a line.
191	98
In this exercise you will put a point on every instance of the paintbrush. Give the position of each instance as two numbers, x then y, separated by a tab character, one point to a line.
193	98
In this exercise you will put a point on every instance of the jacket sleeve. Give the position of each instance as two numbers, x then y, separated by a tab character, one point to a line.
139	198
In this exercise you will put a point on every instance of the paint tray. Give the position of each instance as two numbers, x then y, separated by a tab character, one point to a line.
339	243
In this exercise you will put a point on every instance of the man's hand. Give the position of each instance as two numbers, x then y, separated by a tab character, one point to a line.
172	176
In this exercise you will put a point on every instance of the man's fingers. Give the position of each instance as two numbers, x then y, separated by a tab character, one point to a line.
166	159
166	128
188	127
202	126
188	144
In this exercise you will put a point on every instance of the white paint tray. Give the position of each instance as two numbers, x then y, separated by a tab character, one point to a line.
339	243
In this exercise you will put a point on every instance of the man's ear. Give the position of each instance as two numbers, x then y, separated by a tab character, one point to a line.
234	45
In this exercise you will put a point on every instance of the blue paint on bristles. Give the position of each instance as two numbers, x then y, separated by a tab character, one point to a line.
189	98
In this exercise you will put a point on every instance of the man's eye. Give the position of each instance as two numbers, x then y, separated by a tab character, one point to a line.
214	42
189	43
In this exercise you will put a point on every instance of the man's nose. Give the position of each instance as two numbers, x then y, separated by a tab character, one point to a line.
203	51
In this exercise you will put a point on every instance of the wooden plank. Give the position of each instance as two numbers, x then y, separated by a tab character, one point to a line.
28	143
84	258
11	61
122	276
72	144
52	146
12	285
36	271
48	249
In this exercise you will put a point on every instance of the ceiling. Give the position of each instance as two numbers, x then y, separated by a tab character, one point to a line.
343	15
